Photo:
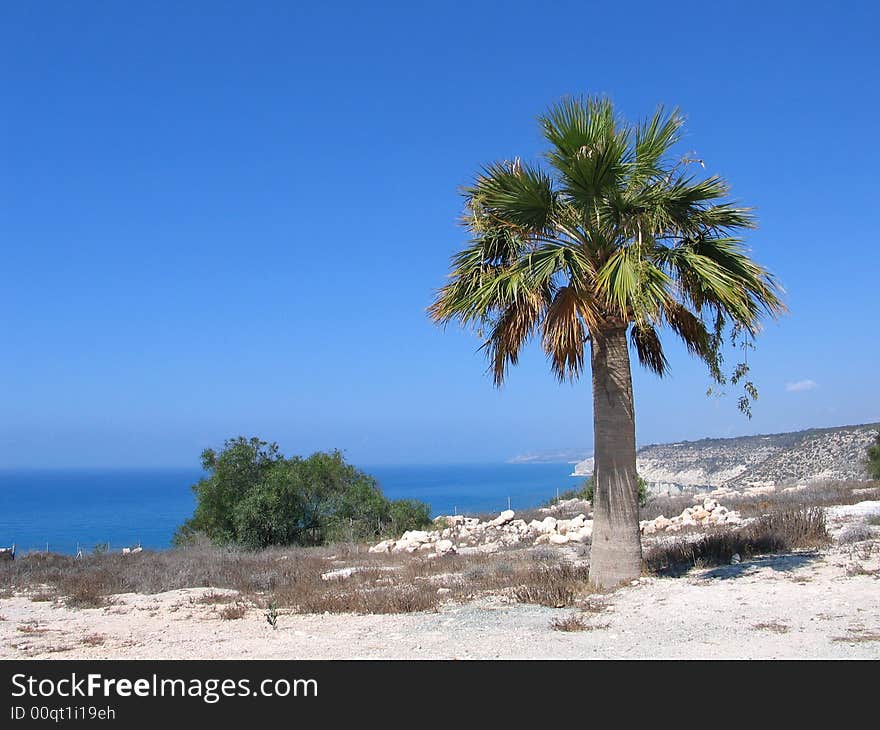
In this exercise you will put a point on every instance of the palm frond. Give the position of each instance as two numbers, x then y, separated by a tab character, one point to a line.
512	330
648	347
590	150
564	334
612	231
514	194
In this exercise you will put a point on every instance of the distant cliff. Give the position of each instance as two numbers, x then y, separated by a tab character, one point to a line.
554	456
747	461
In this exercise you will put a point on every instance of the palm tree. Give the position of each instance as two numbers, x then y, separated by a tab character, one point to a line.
610	237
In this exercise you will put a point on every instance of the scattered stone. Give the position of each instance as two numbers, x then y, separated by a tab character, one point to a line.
444	547
382	547
503	518
710	513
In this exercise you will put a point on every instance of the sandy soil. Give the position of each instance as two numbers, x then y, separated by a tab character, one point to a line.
800	605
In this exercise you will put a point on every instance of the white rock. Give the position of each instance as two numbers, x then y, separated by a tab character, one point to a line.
443	547
556	539
417	536
338	574
547	525
503	518
382	547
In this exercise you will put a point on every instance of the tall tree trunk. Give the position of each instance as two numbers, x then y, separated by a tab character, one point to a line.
616	554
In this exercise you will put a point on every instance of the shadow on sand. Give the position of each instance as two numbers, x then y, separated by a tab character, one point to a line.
783	563
780	563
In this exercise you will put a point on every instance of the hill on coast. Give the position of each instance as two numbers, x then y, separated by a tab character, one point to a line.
814	454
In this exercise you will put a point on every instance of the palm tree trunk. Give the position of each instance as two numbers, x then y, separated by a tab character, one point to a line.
616	554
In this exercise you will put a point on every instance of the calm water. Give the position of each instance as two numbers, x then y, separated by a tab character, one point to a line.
126	507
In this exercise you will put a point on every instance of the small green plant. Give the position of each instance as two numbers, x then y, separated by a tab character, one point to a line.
101	548
272	615
585	491
874	458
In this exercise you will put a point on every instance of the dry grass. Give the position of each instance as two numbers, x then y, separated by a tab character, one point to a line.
557	587
32	628
213	598
94	640
569	623
775	626
381	583
858	636
665	506
780	532
575	622
233	611
859	532
815	495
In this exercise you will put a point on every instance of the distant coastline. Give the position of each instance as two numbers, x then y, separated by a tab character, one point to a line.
82	508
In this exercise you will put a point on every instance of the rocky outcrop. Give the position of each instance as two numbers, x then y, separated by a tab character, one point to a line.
754	461
469	535
458	534
708	514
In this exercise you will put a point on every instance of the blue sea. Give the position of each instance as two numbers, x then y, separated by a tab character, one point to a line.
65	509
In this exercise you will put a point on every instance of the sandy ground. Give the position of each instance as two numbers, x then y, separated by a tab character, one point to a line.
802	605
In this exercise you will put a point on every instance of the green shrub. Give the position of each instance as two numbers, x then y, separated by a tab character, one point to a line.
408	514
874	458
254	496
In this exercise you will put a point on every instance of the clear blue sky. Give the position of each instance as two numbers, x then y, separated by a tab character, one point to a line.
228	218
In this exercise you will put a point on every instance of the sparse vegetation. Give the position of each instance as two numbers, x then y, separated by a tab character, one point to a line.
569	623
775	627
291	578
557	587
779	532
272	615
858	636
855	533
233	611
585	491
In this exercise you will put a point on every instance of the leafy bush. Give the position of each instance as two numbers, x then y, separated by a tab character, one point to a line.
408	514
256	497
